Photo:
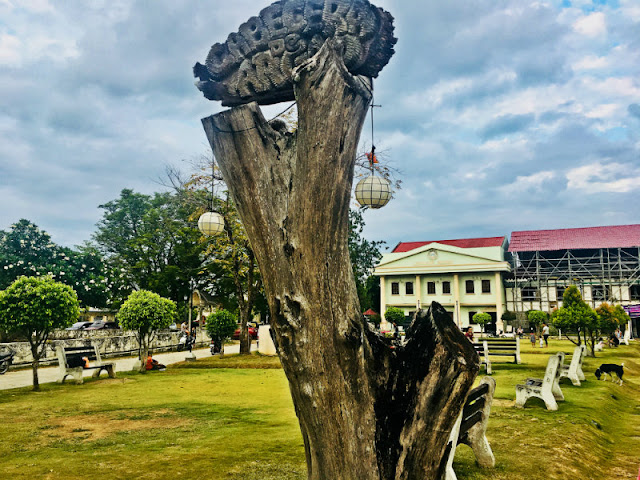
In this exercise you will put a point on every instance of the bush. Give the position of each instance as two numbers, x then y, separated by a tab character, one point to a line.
394	315
221	324
482	318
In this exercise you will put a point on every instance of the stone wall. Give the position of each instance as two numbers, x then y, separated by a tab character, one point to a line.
112	343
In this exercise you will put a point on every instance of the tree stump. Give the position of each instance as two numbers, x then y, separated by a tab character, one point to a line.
367	409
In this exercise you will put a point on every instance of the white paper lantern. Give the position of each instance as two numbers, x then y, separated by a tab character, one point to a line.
211	223
374	192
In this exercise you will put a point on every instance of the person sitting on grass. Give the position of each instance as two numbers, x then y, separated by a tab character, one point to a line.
154	364
469	334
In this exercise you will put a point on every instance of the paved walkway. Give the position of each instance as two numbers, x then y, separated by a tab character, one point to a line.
24	378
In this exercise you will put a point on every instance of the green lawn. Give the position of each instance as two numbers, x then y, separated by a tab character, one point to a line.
215	419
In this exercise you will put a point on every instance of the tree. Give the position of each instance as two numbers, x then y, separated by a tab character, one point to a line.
220	326
537	318
33	307
610	318
27	250
394	315
151	244
575	315
482	318
146	312
364	255
366	411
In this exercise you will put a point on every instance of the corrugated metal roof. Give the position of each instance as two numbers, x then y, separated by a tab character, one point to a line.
460	243
619	236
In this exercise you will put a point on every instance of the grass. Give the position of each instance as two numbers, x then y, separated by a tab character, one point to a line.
217	419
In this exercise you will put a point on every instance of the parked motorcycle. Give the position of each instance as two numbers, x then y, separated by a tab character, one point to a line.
216	347
186	341
5	361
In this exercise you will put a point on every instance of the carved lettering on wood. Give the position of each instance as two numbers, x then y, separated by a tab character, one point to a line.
255	63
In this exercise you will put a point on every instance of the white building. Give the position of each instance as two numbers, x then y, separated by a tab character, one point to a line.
465	276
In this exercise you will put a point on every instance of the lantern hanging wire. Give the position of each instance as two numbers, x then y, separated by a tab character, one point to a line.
372	155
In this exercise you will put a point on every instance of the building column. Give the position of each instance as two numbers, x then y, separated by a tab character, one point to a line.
418	293
456	300
499	309
383	299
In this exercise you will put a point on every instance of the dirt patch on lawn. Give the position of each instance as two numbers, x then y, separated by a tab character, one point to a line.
89	428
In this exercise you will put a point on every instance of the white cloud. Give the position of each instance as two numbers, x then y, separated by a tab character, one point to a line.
592	25
591	62
527	183
9	49
597	178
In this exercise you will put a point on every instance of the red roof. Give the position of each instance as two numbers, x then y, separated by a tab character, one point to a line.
369	312
620	236
460	243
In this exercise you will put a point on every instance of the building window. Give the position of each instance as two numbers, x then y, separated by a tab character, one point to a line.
431	288
408	288
560	292
469	286
486	286
529	293
471	314
446	287
634	292
395	288
599	292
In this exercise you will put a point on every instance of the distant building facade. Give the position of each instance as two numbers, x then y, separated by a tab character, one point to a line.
603	262
465	276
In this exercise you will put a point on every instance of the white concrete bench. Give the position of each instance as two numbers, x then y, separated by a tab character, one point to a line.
71	362
499	347
471	426
573	371
547	388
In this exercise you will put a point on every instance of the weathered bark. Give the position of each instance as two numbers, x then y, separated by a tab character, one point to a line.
367	409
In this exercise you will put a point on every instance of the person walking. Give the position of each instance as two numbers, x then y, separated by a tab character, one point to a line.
545	334
532	337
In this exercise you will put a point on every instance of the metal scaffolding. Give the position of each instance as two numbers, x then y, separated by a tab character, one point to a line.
605	270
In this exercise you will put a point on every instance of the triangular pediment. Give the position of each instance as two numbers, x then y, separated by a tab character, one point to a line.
439	256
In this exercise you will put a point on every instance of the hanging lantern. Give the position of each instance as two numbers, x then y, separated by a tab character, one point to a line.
211	223
374	192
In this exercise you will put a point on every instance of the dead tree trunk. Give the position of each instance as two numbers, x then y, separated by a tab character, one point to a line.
366	410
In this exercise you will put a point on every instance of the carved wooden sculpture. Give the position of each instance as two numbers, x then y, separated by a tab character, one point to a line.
256	63
368	409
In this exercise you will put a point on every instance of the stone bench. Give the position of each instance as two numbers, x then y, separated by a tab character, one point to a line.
547	388
498	347
573	371
471	426
71	362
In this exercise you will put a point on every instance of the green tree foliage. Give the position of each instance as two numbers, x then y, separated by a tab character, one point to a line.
220	326
145	313
536	318
508	317
151	243
575	316
482	318
27	250
364	256
394	315
32	307
611	317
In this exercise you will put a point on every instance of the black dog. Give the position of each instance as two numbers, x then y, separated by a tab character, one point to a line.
610	369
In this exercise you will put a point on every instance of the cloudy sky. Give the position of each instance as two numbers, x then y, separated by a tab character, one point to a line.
501	115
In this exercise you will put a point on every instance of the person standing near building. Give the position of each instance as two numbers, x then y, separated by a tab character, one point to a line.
532	337
545	334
